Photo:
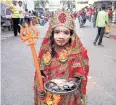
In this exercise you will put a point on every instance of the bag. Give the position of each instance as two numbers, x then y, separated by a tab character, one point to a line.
107	29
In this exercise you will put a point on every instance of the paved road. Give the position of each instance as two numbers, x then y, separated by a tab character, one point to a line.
18	69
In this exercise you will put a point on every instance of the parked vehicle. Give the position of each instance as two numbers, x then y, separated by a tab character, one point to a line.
6	21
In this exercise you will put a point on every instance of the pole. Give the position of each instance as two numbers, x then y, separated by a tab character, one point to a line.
36	62
31	42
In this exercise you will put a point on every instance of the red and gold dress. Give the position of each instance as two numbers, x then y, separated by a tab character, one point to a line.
70	63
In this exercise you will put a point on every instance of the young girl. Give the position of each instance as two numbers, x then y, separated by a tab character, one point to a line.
62	56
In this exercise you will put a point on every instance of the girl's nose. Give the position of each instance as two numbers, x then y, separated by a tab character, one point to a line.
61	35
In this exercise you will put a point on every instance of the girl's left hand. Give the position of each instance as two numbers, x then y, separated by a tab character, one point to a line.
73	79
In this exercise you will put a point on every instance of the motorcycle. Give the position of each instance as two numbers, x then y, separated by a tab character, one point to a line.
6	23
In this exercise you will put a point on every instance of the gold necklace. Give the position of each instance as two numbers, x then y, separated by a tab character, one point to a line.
63	56
47	59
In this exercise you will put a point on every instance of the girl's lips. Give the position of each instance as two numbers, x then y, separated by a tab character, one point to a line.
60	41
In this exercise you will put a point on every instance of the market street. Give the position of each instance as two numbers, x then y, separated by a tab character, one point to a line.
18	68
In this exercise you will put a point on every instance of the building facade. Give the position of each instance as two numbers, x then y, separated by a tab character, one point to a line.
108	3
73	5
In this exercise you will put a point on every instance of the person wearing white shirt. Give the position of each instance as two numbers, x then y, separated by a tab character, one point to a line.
21	12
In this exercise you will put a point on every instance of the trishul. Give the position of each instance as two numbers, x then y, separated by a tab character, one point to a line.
31	42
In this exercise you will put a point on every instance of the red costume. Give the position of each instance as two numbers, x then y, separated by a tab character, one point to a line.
70	63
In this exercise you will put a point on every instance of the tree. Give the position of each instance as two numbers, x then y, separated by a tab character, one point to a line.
36	3
44	2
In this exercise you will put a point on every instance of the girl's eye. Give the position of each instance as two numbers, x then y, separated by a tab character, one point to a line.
67	32
56	31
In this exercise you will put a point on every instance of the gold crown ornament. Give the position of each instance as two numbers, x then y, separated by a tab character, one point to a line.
62	18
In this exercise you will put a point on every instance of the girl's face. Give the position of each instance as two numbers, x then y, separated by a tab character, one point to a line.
61	35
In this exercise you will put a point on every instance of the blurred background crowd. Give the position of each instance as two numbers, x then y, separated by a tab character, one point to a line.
41	10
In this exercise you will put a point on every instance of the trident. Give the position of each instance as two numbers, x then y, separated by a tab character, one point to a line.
31	42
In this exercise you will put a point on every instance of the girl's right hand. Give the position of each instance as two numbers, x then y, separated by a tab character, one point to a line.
41	94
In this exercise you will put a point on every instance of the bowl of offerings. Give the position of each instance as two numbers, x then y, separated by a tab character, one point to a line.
61	86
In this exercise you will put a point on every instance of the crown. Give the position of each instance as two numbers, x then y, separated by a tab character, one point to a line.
62	18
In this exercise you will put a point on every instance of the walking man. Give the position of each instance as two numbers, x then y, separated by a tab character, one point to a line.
15	17
102	20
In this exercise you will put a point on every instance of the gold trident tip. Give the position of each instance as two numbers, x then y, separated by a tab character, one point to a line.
29	36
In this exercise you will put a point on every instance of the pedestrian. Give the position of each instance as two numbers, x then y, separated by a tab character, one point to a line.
21	12
15	17
26	16
62	56
110	14
90	14
102	20
95	17
30	17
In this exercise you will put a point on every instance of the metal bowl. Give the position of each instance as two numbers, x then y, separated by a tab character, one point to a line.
66	90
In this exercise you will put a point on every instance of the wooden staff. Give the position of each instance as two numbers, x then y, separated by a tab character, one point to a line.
31	42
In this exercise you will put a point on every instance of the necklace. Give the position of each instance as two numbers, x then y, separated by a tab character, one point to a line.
47	59
62	56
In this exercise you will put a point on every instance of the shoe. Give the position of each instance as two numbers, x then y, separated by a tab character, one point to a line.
107	36
101	45
94	43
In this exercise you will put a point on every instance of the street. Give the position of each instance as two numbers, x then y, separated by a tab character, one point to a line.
18	68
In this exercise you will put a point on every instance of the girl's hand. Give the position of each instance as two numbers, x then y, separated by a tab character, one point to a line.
41	94
73	79
76	80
